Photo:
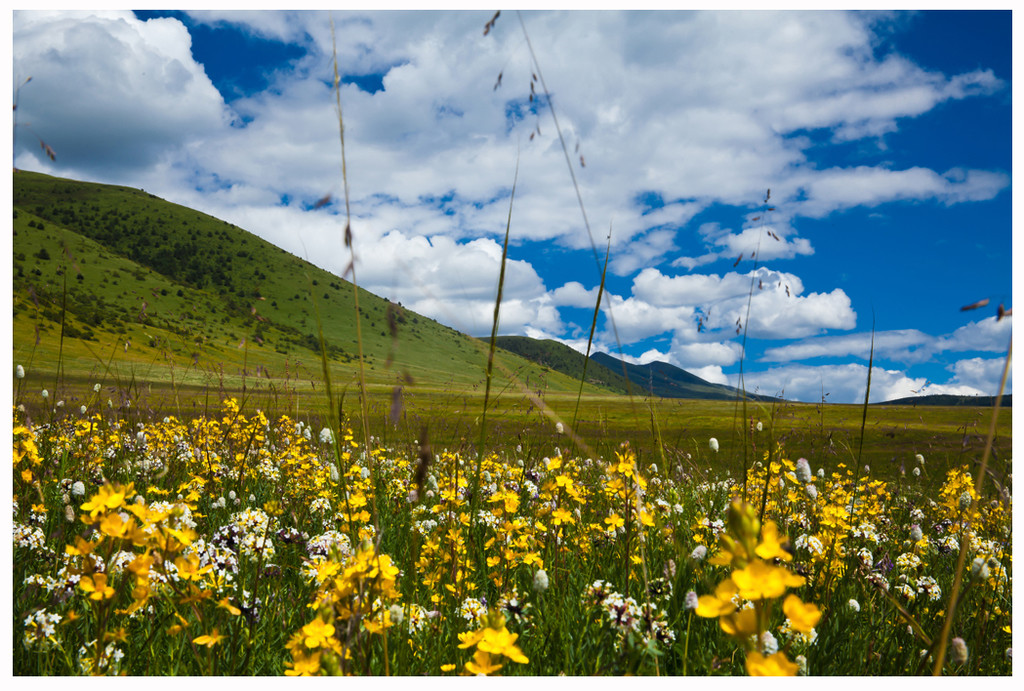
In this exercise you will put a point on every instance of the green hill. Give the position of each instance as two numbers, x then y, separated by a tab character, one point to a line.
668	381
158	292
562	358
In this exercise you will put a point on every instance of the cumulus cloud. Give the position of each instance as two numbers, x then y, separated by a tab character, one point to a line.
778	307
840	188
899	345
111	95
841	383
765	242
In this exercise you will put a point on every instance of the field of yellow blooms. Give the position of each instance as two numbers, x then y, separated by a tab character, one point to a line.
240	546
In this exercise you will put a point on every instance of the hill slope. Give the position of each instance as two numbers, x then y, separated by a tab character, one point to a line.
168	293
668	381
564	359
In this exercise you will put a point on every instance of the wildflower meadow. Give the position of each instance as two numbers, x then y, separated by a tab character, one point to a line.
233	544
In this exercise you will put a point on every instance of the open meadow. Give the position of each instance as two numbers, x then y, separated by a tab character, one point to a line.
205	536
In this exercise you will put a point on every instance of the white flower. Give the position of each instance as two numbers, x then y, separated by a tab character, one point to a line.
83	409
559	429
540	581
364	473
691	600
19	372
803	470
326	436
821	473
979	569
853	605
769	646
96	388
397	613
713	443
78	489
812	492
801	663
760	427
60	404
698	553
334	472
919	458
916	471
958	651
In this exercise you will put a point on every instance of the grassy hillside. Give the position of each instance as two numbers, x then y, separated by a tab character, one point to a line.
562	358
151	291
668	381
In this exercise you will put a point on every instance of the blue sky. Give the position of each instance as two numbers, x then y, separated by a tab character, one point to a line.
885	139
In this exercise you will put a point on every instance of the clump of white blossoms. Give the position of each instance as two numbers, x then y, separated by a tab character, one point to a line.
958	651
19	372
713	444
540	581
803	471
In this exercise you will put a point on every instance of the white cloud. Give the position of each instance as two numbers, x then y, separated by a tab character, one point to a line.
778	308
980	376
111	93
842	188
841	383
896	345
573	294
990	335
846	383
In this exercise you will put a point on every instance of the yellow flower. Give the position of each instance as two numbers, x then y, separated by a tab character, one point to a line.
614	522
501	642
209	640
711	606
802	617
96	586
740	624
771	545
304	666
226	604
772	666
481	664
316	633
762	581
447	668
188	568
560	516
114	526
109	497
